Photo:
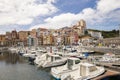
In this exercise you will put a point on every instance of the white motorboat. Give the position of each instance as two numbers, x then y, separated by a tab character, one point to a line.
40	59
41	56
22	51
53	60
67	54
13	50
109	57
74	70
31	54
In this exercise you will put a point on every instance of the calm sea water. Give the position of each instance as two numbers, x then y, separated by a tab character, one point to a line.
114	77
14	67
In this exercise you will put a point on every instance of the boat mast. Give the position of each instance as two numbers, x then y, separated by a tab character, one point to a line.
119	30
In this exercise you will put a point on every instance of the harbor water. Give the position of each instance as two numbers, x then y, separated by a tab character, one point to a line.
15	67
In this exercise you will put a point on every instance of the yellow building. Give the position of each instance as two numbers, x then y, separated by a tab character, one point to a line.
48	40
40	40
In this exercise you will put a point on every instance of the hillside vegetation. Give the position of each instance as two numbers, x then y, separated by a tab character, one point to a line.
108	34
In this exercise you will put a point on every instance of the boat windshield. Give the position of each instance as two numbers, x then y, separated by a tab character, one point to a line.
47	56
77	61
33	52
57	58
92	69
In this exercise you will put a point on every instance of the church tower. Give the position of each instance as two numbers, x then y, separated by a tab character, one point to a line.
81	25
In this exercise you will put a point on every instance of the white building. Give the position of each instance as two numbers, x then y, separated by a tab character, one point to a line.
97	35
32	41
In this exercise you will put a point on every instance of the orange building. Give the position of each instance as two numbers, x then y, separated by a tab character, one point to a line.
14	35
33	33
12	38
50	39
2	40
23	35
15	39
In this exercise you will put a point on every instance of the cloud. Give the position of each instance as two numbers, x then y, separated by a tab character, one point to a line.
106	6
23	12
103	11
57	21
51	1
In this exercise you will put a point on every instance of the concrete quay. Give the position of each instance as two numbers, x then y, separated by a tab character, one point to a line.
103	49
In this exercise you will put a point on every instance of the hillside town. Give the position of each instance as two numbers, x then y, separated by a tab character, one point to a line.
59	40
71	53
72	35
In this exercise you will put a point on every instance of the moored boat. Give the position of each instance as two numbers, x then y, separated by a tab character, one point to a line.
53	60
74	70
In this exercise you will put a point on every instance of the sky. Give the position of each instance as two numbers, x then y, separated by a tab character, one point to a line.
54	14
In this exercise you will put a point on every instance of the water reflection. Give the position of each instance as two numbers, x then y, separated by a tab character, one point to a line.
114	77
15	67
11	58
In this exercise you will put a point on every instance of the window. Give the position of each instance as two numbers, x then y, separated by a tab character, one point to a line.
33	52
92	68
70	62
77	61
57	58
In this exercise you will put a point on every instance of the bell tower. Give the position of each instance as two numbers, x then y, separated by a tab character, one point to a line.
81	25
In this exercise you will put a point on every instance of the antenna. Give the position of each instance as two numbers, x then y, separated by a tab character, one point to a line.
119	30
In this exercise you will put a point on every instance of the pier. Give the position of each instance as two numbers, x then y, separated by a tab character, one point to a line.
110	70
104	49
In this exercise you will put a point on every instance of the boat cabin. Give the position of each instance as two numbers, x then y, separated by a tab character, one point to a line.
72	62
86	69
33	52
52	58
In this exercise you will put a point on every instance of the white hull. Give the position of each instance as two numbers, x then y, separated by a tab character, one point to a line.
53	64
75	74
